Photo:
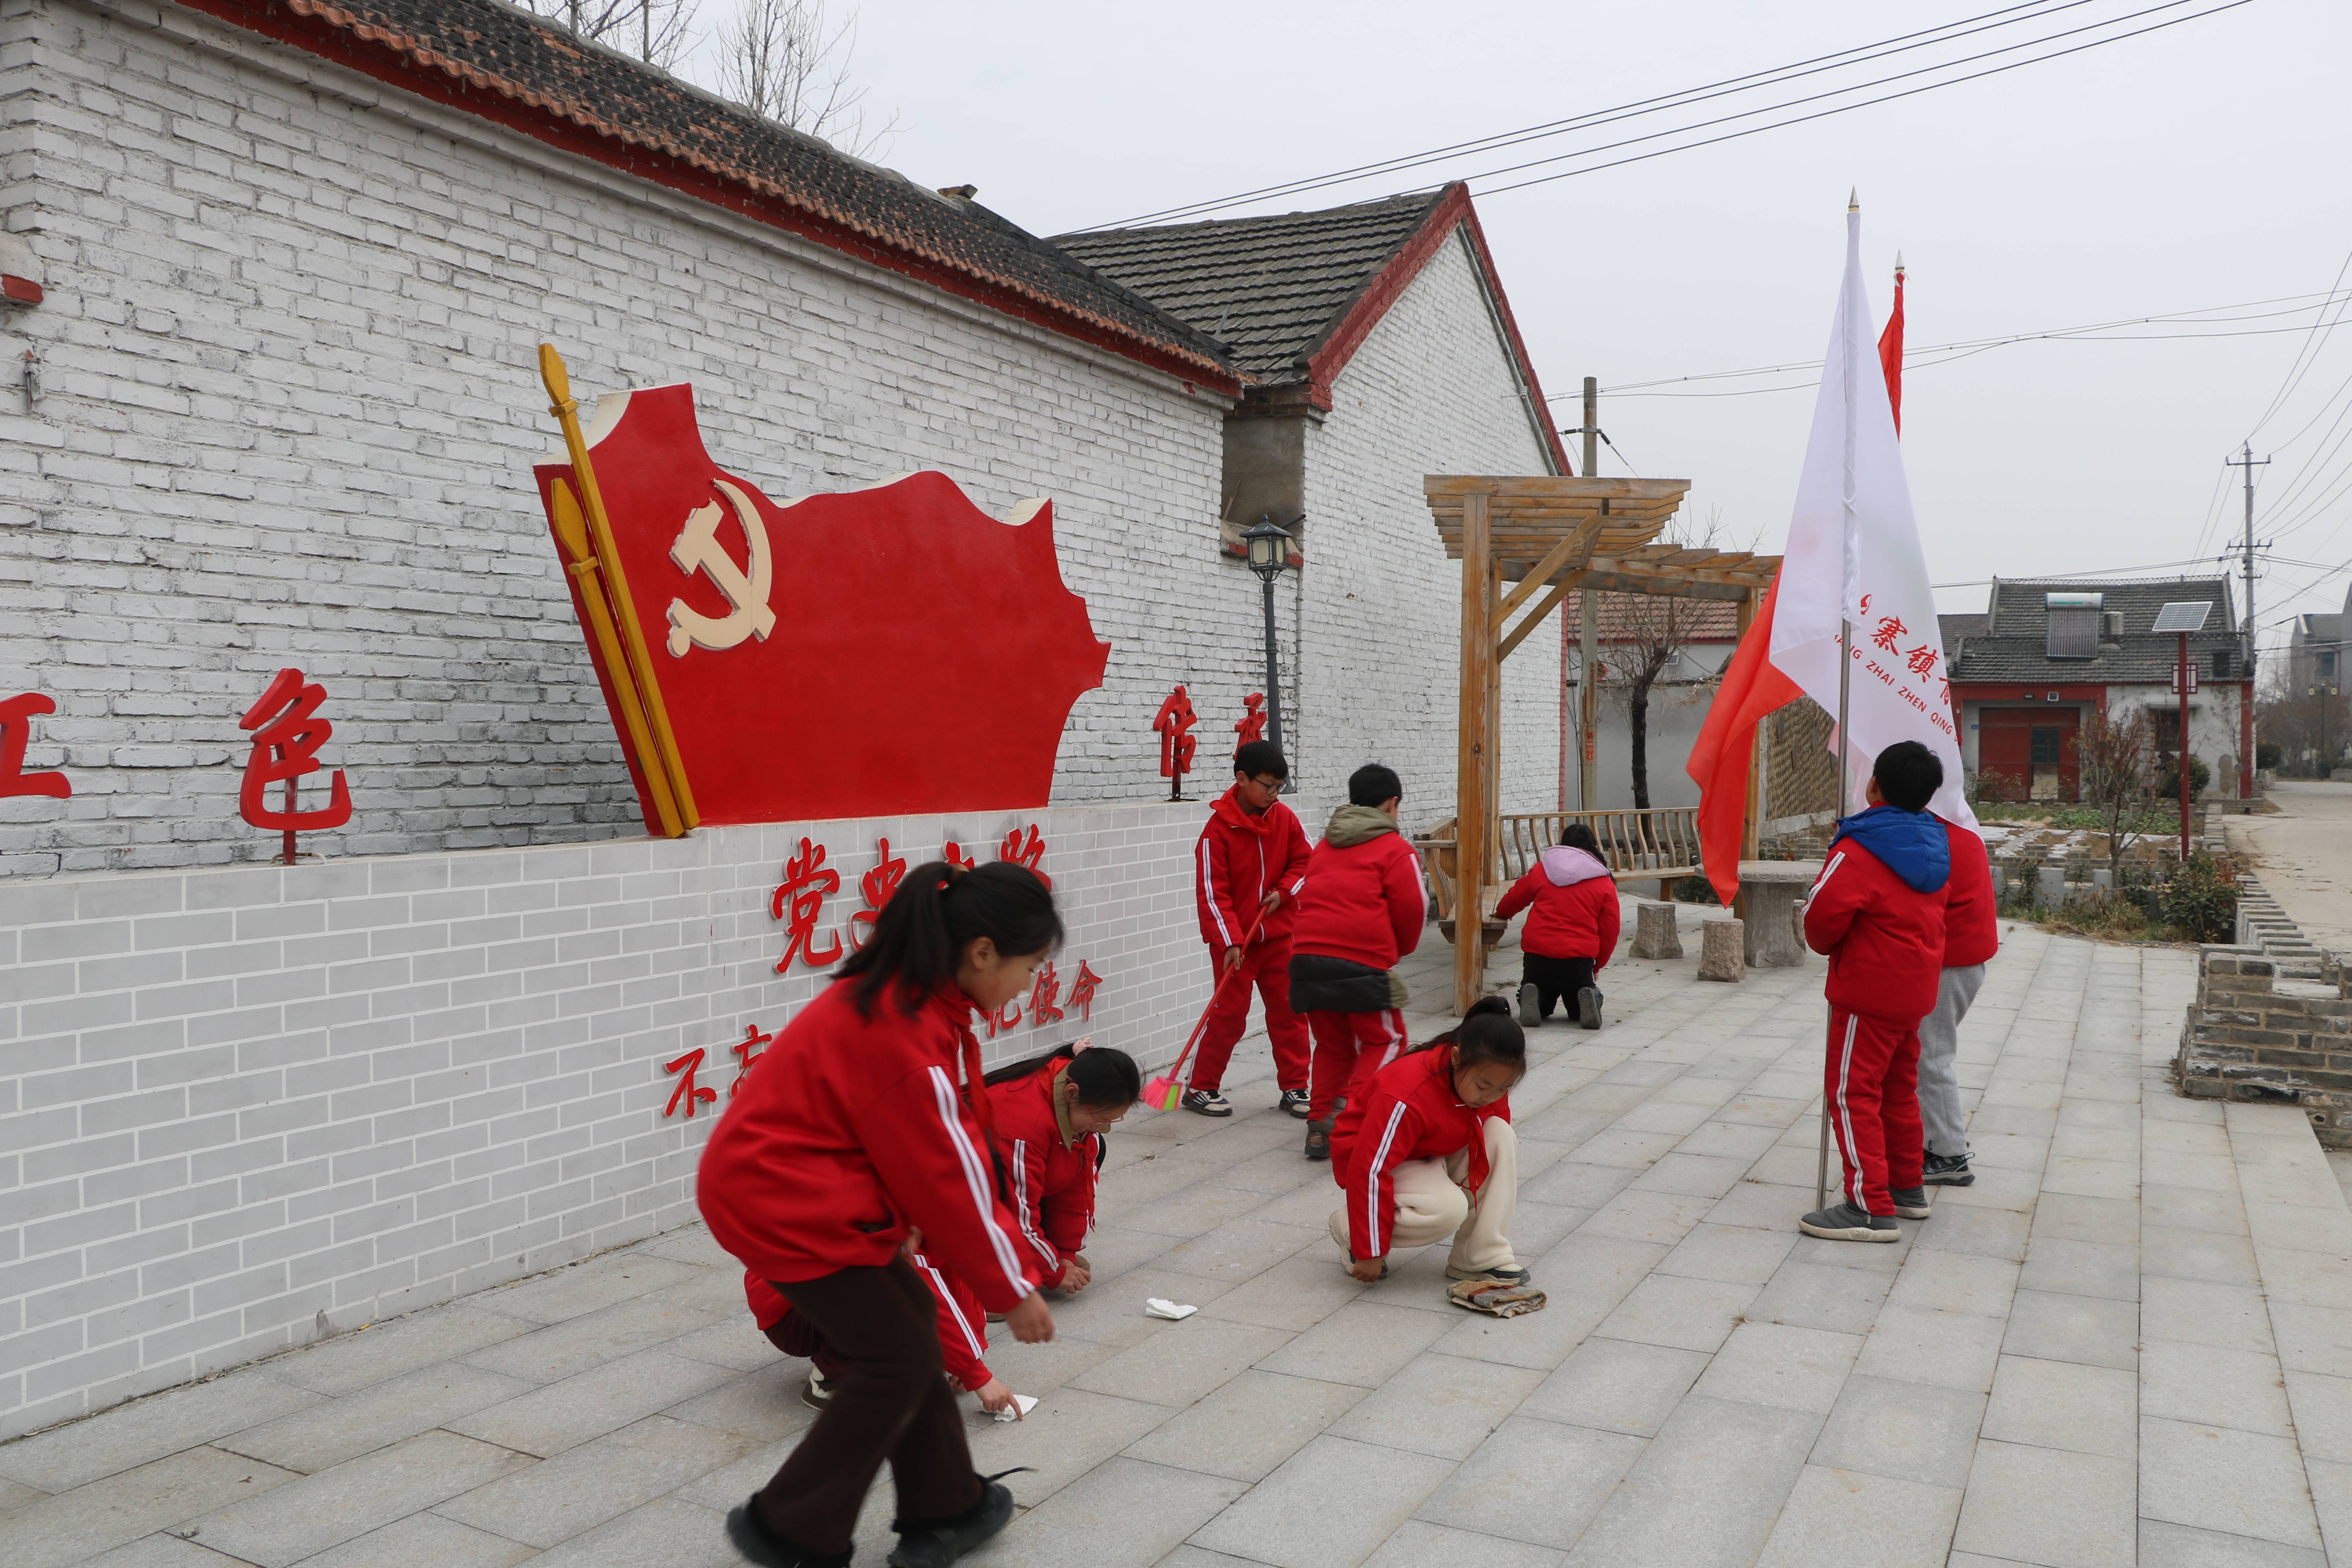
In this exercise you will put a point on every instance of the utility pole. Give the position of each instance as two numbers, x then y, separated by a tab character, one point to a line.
1588	692
2246	730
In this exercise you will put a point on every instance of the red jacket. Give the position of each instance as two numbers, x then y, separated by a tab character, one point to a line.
1053	1184
1884	941
1971	914
1408	1111
1573	901
1364	901
848	1130
1239	859
963	1327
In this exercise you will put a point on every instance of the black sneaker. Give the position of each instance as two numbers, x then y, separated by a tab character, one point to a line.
1587	1008
1910	1203
752	1538
819	1390
1949	1171
1207	1102
1294	1100
935	1544
1530	1008
1843	1222
1318	1140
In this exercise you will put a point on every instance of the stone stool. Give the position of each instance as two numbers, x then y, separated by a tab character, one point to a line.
1774	936
1655	935
1720	955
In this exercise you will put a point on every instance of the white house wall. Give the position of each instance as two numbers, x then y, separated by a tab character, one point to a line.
289	408
1432	389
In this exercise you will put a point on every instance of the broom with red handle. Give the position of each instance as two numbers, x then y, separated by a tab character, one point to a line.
1161	1093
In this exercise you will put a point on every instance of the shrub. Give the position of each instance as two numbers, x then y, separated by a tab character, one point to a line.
2168	781
2267	754
2201	897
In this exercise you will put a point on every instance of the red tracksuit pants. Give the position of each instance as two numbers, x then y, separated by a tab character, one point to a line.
1266	966
1871	1086
1349	1047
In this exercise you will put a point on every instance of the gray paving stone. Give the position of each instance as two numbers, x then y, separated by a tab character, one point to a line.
160	1494
1200	1356
1685	1314
1764	1206
375	1416
287	1523
1420	1544
666	1530
1630	1147
1846	1518
1242	1248
1774	1363
1575	1185
1956	1282
1736	1254
1918	1344
1363	1343
2090	1329
584	1287
2198	1254
385	1350
1700	1175
2083	1269
421	1541
2163	1545
1203	1207
1248	1428
1536	1481
1618	1385
564	1414
607	1333
1584	1278
2306	1279
2200	1312
1070	1433
1112	1313
2042	1506
1909	1431
2214	1387
2314	1339
2190	1208
2323	1415
559	1497
1332	1503
1640	1214
2216	1478
1442	1406
2065	1404
1124	1513
1026	1369
1996	1189
82	1451
2331	1497
1988	1232
1706	1490
734	1342
1821	1296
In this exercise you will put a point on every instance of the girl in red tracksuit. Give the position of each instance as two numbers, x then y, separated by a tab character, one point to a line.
852	1146
1425	1149
1052	1113
963	1338
1571	928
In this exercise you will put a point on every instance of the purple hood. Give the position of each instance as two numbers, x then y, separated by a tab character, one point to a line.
1567	867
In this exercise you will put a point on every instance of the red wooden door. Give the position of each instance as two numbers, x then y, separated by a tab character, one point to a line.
2005	750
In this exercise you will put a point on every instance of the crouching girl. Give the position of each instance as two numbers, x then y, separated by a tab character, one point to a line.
854	1134
1425	1149
1052	1112
963	1339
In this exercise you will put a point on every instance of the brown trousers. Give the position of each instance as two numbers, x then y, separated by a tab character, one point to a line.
890	1401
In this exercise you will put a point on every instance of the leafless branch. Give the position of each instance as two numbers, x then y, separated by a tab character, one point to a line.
656	31
789	61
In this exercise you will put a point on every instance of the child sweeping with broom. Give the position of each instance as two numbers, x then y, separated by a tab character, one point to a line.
1425	1149
853	1136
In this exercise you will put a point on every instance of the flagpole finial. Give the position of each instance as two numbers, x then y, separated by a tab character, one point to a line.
1898	264
1854	199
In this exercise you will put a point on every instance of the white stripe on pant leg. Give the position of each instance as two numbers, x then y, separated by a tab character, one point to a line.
1845	1119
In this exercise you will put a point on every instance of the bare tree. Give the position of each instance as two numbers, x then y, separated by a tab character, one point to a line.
2309	721
656	31
2113	759
787	60
1651	632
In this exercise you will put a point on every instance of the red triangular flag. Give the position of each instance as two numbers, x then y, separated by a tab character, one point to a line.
1719	759
1890	353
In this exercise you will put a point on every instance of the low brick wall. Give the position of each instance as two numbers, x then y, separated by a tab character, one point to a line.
2254	1035
243	1109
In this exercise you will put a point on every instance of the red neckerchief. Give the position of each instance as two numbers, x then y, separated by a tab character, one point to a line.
1479	1170
1231	810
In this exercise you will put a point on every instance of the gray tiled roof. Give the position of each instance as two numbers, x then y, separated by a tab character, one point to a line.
2011	646
1270	288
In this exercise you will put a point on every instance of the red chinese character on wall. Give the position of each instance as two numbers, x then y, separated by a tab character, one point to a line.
744	1056
1028	852
1082	993
688	1089
799	899
15	729
876	885
1889	628
1042	993
954	856
1005	1018
1174	723
1921	660
1253	724
285	741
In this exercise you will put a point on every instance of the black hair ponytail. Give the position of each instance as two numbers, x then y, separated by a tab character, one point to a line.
939	910
1105	1077
1577	835
1487	1033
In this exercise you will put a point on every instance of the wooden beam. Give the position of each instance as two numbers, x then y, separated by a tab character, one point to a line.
1472	812
1569	552
1536	616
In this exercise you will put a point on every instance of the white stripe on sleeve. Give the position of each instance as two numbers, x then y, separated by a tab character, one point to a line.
946	1299
1372	1173
1023	1204
1828	872
1208	894
975	1175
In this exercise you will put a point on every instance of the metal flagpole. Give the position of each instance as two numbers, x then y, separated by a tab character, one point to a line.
1852	375
1845	673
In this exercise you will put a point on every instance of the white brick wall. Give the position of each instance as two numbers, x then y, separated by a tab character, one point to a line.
240	1109
1430	391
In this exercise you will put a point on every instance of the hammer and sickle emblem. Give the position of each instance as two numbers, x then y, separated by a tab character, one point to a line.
697	550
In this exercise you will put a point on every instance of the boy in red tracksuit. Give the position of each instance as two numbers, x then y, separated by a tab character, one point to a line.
1971	937
963	1337
1571	928
1362	908
1246	872
1877	911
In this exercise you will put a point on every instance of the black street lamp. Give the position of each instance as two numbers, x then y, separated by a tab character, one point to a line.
1269	553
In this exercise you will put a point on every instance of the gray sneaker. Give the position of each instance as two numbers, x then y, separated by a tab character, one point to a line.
1530	1008
1207	1102
1587	1008
1910	1203
1843	1222
1949	1171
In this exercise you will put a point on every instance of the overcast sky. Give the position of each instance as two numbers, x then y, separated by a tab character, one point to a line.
2195	167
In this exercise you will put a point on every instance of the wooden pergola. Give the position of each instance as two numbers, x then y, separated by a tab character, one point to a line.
1546	535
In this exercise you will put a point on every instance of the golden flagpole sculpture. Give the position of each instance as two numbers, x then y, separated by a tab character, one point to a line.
613	618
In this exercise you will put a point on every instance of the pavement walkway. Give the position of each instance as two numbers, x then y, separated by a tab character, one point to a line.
2300	851
2130	1341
